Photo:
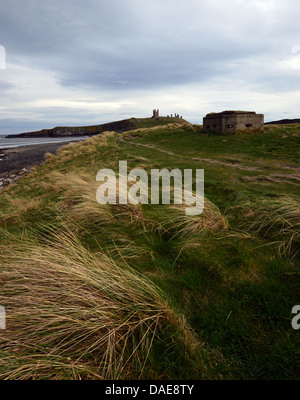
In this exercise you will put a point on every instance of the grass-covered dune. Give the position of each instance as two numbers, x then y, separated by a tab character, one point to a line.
144	291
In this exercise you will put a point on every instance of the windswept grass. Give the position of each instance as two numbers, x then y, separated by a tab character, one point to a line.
182	225
145	291
277	220
77	203
18	208
75	315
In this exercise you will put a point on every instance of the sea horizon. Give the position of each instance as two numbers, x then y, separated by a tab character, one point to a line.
8	143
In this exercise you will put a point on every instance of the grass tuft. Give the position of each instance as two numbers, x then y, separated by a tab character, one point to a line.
278	220
72	314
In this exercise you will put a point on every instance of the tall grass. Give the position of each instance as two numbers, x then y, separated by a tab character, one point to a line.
17	208
73	315
77	203
175	221
78	311
277	220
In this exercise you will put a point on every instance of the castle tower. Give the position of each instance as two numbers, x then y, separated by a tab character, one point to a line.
155	114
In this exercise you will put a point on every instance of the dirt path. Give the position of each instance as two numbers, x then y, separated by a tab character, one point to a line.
208	160
292	178
150	146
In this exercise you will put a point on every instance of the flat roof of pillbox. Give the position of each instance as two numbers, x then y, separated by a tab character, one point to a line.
230	112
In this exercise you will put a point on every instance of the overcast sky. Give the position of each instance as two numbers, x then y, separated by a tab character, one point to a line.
84	62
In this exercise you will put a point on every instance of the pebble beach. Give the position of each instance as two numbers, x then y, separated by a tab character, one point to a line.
17	161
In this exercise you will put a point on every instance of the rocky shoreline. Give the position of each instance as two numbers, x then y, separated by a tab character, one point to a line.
9	177
18	161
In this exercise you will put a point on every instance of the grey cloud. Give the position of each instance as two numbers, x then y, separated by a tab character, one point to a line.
127	46
5	85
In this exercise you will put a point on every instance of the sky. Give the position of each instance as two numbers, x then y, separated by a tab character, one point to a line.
79	62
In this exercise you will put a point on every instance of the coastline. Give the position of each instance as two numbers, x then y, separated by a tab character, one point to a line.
17	161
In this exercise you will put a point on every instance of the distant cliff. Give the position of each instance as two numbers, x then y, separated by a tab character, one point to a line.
284	121
117	126
61	131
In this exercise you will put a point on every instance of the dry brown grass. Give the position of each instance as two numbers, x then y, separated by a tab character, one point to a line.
184	225
166	127
71	314
17	208
276	219
77	201
87	146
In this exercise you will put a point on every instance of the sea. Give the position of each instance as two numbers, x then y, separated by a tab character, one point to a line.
19	141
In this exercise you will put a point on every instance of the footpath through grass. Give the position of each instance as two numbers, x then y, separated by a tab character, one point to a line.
145	291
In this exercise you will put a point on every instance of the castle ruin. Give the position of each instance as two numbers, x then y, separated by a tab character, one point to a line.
229	122
155	114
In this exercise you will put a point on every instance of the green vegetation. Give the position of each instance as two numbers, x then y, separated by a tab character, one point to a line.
124	291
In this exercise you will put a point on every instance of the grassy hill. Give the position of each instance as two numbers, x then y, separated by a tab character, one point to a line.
117	126
124	291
